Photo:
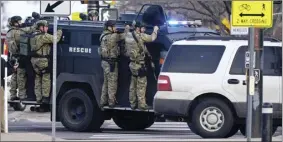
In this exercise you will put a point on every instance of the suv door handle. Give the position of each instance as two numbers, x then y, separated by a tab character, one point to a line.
244	82
233	81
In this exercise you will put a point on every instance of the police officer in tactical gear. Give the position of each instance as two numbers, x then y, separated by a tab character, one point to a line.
18	79
83	16
137	52
110	51
93	15
35	16
40	47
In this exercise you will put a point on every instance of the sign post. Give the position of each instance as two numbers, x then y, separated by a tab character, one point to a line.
55	8
254	14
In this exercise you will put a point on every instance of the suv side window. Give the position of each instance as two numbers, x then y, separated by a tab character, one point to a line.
193	58
270	60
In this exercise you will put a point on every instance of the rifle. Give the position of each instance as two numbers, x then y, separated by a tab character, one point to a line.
147	56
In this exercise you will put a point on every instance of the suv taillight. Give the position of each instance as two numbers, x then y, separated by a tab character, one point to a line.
164	83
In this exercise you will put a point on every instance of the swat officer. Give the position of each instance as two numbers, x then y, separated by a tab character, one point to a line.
40	46
18	79
36	17
83	16
110	51
136	50
93	15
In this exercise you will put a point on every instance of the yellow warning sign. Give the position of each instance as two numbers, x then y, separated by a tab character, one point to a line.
252	13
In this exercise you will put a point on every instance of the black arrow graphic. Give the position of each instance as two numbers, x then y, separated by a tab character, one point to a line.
262	14
50	8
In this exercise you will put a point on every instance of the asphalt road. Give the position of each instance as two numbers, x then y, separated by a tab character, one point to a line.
22	122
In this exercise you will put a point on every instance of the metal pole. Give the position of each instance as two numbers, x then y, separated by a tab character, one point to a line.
257	97
250	86
54	79
267	124
1	66
281	76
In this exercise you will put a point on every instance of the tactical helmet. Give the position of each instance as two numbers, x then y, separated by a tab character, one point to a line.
138	24
15	19
35	15
41	23
110	23
92	13
83	16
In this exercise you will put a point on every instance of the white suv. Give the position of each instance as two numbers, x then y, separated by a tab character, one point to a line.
203	80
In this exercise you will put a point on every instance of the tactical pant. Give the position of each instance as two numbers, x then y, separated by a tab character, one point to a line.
137	87
42	82
18	81
2	109
109	88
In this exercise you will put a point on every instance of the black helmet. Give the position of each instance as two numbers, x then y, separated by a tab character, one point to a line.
35	15
15	19
83	16
110	23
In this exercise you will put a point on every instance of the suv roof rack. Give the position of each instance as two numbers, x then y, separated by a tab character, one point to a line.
227	38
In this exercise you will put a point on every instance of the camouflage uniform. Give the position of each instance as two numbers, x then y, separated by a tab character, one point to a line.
110	52
40	44
18	79
137	52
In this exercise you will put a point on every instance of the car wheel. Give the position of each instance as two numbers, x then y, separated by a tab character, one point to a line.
192	128
79	112
233	131
18	106
212	118
132	121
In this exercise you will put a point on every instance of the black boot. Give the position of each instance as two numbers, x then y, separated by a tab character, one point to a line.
13	98
45	100
27	99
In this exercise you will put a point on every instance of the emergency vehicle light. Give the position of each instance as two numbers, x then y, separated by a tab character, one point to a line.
175	23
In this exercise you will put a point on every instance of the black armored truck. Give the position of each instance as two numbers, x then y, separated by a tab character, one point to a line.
80	76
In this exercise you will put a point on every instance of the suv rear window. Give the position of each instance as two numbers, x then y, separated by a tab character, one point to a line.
193	58
271	59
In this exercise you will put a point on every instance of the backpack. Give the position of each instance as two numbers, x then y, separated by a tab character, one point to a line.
25	43
11	43
101	50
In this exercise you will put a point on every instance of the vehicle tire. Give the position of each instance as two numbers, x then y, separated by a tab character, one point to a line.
233	131
134	121
215	111
192	128
243	130
19	106
79	112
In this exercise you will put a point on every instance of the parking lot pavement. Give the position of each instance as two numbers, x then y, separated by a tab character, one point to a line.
23	124
15	116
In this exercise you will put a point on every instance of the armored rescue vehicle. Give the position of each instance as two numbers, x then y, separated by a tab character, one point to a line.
80	76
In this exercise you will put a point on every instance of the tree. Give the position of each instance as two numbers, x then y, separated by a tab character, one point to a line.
210	12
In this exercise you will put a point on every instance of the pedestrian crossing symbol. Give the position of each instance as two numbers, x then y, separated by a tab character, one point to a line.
109	14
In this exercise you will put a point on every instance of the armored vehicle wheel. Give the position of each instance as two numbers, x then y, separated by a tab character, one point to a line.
132	121
79	112
19	106
32	108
